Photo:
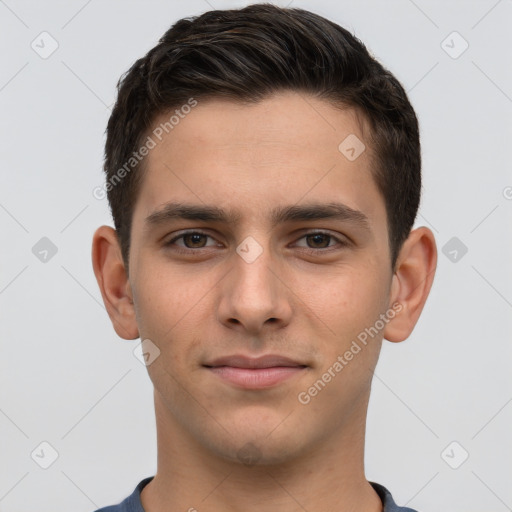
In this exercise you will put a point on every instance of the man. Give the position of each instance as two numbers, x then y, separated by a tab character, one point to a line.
264	175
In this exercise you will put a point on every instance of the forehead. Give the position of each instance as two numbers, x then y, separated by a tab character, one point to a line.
250	158
289	124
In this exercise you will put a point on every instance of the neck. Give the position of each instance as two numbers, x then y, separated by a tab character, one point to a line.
330	476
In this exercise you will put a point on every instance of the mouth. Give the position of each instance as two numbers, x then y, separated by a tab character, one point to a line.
255	373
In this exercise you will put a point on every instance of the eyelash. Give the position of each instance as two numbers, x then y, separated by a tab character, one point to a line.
181	250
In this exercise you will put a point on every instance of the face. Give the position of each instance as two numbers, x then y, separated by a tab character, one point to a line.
261	263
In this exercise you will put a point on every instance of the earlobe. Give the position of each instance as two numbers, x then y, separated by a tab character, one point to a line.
113	282
412	282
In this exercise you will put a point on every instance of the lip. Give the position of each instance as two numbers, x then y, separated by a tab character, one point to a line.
267	361
255	372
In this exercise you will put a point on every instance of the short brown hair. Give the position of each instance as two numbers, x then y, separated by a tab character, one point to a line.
246	55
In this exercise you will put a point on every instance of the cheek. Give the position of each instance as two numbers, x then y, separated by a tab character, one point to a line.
162	299
349	303
171	307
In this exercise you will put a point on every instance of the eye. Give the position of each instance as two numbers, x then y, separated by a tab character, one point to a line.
316	242
320	240
192	240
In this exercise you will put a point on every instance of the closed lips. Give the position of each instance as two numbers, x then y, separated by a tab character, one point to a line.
269	361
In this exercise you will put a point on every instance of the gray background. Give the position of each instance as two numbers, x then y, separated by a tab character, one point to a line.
67	379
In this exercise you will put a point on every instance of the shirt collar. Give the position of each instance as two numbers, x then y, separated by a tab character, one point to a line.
134	504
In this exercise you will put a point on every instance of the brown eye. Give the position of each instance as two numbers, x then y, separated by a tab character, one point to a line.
194	240
318	240
190	242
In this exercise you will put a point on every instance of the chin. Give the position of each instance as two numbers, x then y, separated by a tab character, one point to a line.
253	453
256	443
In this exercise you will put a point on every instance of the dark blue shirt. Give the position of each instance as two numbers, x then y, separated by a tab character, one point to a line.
133	503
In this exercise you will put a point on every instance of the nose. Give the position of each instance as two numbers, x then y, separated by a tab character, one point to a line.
254	295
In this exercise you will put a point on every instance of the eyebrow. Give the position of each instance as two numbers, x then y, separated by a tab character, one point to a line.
316	211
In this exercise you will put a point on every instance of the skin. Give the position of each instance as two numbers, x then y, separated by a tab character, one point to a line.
293	300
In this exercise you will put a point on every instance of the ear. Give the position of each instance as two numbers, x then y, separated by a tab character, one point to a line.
411	282
113	281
